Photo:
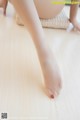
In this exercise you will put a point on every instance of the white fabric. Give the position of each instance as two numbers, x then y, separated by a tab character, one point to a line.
60	21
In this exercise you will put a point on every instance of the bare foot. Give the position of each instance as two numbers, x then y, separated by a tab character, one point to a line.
52	77
75	24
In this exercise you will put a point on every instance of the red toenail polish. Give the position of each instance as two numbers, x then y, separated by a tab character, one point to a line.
52	96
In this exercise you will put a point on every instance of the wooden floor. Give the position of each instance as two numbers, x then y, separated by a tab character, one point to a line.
22	95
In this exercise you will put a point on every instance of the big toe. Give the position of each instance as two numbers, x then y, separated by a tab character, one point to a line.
53	93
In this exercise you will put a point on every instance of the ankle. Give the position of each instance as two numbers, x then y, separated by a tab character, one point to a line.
72	20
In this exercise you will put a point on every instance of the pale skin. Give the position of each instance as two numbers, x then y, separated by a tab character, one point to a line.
27	11
73	14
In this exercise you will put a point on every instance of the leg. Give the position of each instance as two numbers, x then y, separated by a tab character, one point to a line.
73	14
3	4
28	13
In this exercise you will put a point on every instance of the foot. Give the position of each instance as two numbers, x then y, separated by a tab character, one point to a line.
52	77
75	24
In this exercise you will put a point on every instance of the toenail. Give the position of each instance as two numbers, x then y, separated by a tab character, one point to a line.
52	96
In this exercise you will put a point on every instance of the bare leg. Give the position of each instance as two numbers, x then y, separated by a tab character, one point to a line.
3	4
73	14
28	13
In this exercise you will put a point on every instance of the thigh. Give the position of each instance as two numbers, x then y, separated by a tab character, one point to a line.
46	9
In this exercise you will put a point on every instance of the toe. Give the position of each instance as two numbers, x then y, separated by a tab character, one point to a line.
50	93
52	96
